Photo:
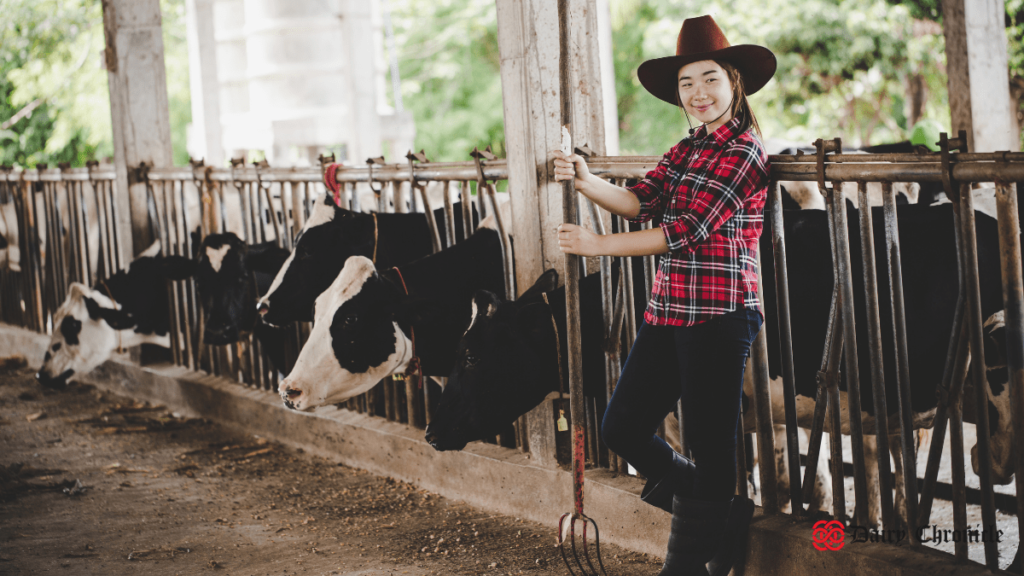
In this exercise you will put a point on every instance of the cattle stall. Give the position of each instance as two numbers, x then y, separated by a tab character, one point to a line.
59	210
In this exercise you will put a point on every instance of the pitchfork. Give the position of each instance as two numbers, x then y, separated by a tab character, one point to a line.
572	306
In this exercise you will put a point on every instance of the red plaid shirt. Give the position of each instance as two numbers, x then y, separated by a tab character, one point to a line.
708	195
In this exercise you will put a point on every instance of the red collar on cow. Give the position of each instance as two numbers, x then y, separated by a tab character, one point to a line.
331	181
415	367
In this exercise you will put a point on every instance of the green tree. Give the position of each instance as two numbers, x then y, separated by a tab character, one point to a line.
450	70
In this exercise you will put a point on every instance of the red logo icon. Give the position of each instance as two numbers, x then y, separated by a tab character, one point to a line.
829	535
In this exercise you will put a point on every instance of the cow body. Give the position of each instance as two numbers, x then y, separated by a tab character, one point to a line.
127	309
365	321
330	236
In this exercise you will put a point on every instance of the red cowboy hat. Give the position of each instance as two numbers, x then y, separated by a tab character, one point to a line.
701	39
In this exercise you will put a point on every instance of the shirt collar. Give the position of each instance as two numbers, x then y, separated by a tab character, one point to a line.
725	132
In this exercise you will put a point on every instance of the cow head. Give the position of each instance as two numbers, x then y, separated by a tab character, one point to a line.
328	239
998	405
226	280
356	339
85	333
507	362
89	325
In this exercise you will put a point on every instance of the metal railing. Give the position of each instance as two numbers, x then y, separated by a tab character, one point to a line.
55	220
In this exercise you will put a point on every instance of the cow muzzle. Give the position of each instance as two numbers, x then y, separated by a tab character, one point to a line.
56	382
292	397
263	308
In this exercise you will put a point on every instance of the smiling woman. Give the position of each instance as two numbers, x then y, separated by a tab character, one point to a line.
708	195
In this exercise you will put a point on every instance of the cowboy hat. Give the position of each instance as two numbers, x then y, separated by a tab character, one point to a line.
701	39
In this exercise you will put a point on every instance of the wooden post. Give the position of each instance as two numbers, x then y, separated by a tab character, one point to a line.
203	83
979	82
134	58
528	47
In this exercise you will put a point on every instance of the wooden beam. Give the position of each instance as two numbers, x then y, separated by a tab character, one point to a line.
528	47
140	119
978	75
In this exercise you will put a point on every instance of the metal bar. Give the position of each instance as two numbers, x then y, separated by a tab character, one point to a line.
874	329
449	214
428	213
899	326
467	209
1013	306
763	413
842	259
786	341
508	263
979	375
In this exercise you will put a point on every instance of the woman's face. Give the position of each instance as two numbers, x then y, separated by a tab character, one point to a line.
706	92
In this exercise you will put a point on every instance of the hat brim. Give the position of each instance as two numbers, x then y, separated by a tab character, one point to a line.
757	64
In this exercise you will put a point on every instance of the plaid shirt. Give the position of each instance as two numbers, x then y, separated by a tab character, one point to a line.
708	195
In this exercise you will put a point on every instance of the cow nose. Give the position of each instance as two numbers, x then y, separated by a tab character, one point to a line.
263	308
431	436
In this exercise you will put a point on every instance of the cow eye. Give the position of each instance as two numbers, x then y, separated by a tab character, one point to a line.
469	360
350	320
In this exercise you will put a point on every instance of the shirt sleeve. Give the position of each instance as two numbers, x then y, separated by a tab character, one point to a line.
651	190
740	172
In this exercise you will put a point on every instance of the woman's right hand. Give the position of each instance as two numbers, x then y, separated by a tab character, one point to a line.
569	167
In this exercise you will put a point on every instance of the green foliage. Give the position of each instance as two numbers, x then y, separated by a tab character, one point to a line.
51	50
48	51
842	70
450	71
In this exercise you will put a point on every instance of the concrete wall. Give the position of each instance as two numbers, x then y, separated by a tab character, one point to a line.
492	478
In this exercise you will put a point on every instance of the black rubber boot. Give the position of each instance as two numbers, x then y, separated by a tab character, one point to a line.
678	481
697	529
734	540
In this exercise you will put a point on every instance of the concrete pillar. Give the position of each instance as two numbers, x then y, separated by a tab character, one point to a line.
134	58
205	138
528	47
979	82
360	47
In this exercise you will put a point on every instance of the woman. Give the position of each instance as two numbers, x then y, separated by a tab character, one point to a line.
707	195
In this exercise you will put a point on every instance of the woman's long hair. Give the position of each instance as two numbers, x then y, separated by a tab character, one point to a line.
740	106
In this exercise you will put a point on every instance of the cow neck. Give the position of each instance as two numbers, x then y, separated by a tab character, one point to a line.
103	283
414	366
445	282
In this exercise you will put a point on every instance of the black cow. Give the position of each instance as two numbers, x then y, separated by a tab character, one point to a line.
127	309
230	277
365	321
329	238
507	360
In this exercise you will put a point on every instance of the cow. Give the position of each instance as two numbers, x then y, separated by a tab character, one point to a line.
508	360
367	323
126	309
801	195
330	236
230	275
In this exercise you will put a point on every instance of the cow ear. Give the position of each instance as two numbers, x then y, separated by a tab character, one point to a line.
547	282
177	267
117	319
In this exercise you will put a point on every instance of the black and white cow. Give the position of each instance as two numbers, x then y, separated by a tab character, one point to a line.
127	309
365	321
230	277
328	239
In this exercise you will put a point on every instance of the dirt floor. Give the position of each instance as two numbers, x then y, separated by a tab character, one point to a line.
93	483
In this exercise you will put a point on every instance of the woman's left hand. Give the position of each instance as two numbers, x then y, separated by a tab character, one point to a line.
573	239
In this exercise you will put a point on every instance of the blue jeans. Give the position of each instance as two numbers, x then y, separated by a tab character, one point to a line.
700	365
